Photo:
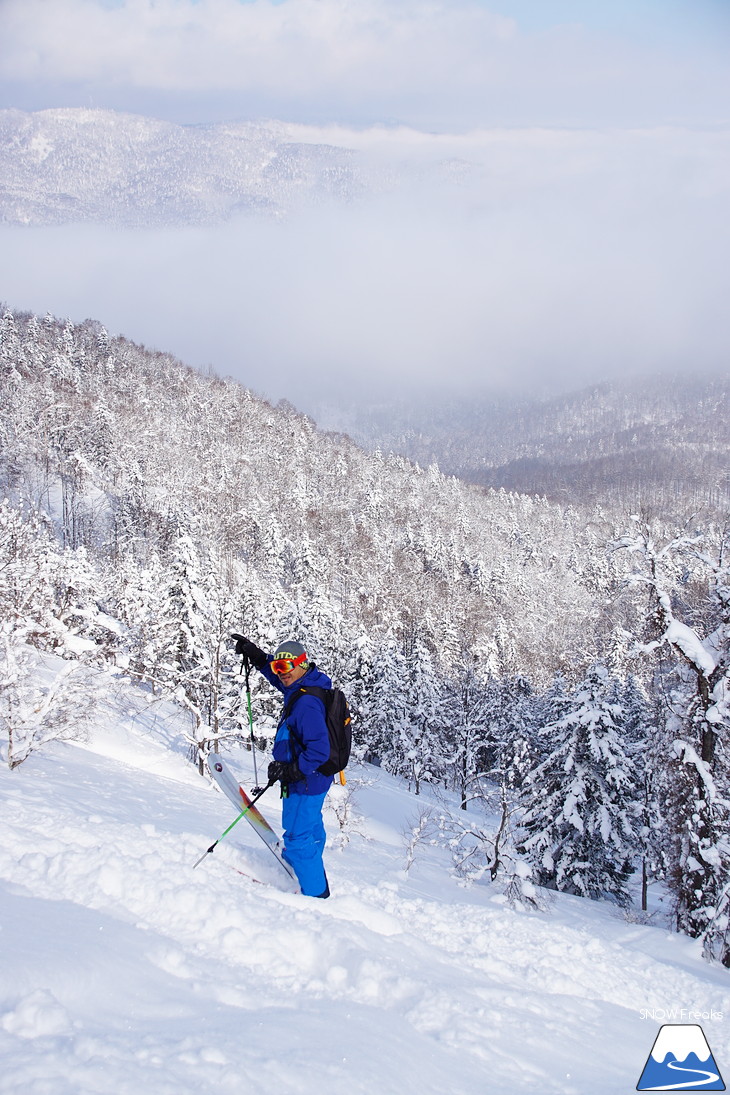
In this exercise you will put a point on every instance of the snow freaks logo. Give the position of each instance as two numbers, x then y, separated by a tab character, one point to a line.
680	1060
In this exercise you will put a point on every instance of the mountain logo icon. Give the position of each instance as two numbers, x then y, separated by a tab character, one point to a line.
680	1060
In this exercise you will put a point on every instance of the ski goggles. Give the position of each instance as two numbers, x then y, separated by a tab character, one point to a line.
285	665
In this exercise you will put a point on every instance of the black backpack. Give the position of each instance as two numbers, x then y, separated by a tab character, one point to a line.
337	714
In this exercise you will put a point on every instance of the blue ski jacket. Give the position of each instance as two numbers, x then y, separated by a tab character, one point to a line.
304	736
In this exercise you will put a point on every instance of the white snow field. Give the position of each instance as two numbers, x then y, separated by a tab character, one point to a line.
124	971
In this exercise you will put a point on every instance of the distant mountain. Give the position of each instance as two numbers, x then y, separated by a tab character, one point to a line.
662	442
100	166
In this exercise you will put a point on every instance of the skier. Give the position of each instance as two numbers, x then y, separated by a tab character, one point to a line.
301	745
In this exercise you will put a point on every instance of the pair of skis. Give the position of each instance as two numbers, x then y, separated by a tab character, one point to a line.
247	808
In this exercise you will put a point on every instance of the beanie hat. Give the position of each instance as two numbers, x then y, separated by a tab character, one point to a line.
292	650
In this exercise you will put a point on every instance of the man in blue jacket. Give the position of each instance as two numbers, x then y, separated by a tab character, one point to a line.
301	745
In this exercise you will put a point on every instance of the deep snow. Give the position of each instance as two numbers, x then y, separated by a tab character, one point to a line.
124	970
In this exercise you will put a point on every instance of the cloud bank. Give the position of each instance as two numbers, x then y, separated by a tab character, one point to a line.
520	260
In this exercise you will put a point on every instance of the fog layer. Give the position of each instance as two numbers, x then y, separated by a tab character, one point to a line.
517	259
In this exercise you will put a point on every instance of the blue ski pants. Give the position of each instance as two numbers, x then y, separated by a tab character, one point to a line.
304	839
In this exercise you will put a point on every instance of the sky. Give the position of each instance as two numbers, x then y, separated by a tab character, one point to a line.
589	239
428	63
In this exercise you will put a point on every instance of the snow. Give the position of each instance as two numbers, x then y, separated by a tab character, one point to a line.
125	970
679	634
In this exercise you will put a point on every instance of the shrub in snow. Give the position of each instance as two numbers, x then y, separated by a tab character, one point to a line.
479	850
418	831
38	706
340	806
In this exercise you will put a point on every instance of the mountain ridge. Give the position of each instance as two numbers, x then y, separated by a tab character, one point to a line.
659	441
104	167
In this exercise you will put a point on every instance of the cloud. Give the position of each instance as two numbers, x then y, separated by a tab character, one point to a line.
225	44
518	260
453	63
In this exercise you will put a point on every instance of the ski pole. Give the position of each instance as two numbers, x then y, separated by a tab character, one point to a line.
247	665
225	832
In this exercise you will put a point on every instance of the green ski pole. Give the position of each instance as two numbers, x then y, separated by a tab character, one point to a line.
234	822
245	664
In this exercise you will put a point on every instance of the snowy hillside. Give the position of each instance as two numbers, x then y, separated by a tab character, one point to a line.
97	165
661	441
125	971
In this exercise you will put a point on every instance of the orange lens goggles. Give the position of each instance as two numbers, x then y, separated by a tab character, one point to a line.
285	665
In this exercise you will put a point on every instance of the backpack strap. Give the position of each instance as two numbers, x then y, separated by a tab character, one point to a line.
288	705
313	690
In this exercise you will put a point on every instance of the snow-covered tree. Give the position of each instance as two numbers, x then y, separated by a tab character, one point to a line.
468	730
29	563
645	746
687	622
198	618
422	741
579	825
384	727
517	746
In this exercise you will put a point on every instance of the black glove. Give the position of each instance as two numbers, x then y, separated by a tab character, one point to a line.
286	774
249	650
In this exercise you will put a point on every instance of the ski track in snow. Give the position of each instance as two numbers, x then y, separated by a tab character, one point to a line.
124	970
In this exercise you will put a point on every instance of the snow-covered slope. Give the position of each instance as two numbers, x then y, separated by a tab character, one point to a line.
124	970
80	165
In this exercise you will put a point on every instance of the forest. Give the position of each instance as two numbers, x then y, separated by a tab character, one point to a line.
561	668
660	441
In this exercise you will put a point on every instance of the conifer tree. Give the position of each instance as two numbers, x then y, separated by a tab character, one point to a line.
385	723
29	565
580	807
194	639
421	742
356	681
468	730
645	746
517	744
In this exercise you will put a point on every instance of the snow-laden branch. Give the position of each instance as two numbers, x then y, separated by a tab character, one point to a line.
687	754
688	641
719	710
675	633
